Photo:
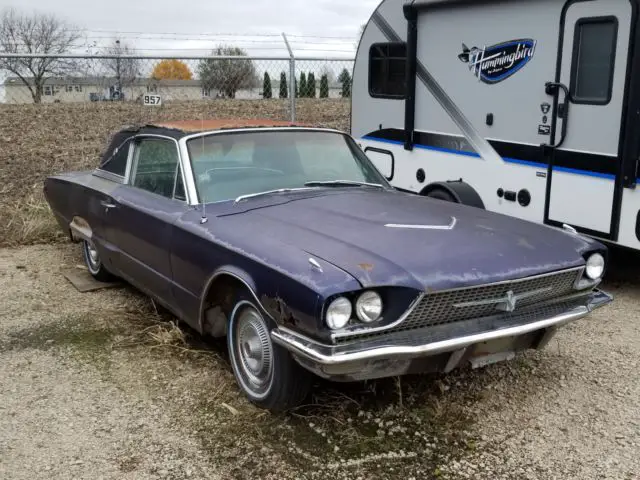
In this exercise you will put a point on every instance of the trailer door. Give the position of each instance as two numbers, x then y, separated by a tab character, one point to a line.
582	190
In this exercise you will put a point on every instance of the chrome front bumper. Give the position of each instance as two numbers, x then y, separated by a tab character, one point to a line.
393	353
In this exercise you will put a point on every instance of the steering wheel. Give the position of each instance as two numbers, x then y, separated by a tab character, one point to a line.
330	174
205	177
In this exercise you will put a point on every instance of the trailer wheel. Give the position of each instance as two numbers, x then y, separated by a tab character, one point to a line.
439	194
455	192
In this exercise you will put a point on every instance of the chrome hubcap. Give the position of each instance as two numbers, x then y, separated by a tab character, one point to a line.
254	349
92	257
93	253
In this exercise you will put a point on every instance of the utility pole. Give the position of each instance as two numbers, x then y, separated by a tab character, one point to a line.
118	73
292	79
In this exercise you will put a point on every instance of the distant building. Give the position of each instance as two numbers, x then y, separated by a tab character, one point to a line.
88	89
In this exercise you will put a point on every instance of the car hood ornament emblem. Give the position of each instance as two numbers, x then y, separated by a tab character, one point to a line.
508	304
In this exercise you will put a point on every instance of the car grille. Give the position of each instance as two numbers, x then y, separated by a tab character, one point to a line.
452	306
464	328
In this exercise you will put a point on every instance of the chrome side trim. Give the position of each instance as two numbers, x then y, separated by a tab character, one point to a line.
257	129
187	172
331	355
268	192
109	176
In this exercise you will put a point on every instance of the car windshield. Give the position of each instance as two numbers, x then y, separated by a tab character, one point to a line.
242	164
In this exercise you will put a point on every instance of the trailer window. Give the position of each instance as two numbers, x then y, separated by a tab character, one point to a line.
594	53
387	70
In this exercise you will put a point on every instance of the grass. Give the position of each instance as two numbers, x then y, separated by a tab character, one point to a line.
28	221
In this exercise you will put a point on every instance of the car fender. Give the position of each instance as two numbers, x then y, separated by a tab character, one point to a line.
232	271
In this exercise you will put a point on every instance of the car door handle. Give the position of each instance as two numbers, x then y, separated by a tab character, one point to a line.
106	204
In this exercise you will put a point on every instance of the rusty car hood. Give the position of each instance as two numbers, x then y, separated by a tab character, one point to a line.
392	238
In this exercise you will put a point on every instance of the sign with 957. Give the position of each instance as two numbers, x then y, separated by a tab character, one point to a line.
151	100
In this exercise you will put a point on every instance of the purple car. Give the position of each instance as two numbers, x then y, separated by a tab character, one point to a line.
288	241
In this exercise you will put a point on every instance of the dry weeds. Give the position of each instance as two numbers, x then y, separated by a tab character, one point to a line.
40	140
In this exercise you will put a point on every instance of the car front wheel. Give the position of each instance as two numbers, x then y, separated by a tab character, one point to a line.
265	372
94	262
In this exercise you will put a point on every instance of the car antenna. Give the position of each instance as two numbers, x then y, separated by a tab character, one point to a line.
204	218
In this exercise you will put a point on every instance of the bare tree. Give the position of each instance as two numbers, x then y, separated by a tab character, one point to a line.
330	74
125	70
227	75
36	34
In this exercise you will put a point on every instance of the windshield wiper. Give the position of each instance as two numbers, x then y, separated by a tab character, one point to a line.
342	183
269	192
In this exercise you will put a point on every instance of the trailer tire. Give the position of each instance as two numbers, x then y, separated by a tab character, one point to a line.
455	192
440	194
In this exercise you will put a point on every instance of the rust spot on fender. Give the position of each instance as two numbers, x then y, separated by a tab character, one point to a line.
278	309
367	267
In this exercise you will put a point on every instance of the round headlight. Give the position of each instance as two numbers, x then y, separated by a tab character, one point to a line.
339	313
369	307
595	266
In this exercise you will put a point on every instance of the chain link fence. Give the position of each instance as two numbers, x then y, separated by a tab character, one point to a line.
266	86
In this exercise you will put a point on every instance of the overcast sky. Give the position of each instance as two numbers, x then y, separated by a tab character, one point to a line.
196	21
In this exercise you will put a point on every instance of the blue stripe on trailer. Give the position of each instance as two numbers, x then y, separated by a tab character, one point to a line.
516	161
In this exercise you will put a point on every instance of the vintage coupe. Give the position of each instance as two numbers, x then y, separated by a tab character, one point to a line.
288	241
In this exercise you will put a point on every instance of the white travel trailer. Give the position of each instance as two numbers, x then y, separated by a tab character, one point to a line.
529	108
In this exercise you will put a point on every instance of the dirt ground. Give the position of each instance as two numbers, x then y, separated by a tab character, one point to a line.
101	385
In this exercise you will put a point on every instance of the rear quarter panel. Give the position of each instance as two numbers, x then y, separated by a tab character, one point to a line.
78	194
64	194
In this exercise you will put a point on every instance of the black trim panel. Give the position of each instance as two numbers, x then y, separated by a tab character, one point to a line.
411	68
384	152
587	162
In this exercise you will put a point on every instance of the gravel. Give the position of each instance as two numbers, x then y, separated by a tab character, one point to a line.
99	385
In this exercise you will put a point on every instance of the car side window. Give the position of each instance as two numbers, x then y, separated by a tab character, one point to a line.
117	162
156	167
